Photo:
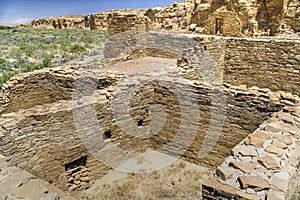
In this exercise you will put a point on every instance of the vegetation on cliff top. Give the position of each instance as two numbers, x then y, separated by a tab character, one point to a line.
25	50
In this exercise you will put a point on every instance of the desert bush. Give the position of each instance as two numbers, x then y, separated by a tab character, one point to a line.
5	27
77	48
33	48
6	76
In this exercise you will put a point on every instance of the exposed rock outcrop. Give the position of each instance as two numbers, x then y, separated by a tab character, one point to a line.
228	18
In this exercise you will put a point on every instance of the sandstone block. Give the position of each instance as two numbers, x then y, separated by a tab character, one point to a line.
248	151
255	141
279	144
268	162
274	150
255	182
287	139
243	166
273	127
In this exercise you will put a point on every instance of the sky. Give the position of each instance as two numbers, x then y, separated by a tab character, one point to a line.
24	11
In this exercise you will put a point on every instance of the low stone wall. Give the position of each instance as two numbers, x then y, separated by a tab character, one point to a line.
265	63
35	88
18	184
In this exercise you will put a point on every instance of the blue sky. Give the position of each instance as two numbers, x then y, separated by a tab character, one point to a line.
23	11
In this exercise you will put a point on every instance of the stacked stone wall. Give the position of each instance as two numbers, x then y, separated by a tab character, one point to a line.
58	142
265	63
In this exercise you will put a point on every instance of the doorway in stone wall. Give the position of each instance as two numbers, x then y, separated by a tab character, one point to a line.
219	26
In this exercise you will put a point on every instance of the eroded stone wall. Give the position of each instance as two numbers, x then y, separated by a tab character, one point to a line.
27	90
58	142
270	64
266	63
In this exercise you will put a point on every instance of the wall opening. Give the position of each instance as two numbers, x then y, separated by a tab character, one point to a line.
76	163
77	174
140	122
106	135
219	26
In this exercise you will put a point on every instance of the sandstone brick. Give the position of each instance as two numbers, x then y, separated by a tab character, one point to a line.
243	166
274	150
255	182
268	162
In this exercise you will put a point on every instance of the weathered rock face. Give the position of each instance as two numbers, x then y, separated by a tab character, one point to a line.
216	17
78	22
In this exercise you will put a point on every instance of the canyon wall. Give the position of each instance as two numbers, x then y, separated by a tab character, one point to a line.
227	18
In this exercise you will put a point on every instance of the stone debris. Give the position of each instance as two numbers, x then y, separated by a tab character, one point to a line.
269	173
18	184
255	182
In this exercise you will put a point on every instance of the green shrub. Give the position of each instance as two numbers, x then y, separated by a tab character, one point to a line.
5	27
47	61
6	76
77	48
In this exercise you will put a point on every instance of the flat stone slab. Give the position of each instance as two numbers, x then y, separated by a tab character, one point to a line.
274	150
255	182
34	190
280	184
248	151
224	173
243	166
268	162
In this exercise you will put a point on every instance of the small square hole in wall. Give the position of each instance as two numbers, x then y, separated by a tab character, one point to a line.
140	122
106	135
76	163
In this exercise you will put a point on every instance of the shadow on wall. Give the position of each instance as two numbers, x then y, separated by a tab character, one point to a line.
269	15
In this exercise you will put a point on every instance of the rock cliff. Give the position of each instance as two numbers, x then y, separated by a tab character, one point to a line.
215	17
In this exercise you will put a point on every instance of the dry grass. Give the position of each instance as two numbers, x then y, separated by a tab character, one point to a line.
173	182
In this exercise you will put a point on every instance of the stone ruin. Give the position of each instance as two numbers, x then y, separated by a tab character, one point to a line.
230	104
66	127
214	17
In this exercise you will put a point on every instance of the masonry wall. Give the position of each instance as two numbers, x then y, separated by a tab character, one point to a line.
59	142
27	90
265	63
242	111
206	54
270	64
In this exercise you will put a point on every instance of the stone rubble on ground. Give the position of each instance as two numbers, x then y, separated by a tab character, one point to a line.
272	154
18	184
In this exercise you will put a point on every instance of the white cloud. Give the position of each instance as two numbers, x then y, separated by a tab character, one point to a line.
8	10
21	21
